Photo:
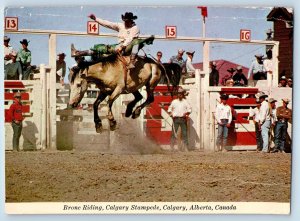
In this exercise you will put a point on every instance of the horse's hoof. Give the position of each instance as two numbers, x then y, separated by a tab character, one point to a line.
128	113
112	125
99	128
136	113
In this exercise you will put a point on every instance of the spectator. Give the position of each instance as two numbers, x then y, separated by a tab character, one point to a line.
7	50
178	59
60	68
290	82
159	56
224	118
257	69
283	114
24	57
268	63
264	121
190	69
282	82
180	110
15	113
229	82
272	103
254	114
228	76
214	74
239	78
13	70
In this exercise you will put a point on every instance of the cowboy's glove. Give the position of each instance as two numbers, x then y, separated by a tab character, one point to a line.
92	16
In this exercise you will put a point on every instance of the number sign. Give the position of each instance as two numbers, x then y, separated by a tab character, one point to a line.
171	31
11	23
93	28
245	35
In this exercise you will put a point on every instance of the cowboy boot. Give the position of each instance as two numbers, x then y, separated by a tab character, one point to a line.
132	61
75	53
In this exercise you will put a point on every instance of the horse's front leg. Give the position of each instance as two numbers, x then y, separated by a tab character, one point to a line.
137	97
97	120
116	93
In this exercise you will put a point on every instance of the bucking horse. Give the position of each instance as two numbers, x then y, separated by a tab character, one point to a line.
113	78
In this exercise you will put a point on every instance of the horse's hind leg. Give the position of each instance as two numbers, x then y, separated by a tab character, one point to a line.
97	120
150	98
137	97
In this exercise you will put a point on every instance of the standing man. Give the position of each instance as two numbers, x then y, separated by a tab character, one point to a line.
159	56
239	77
127	32
272	103
24	57
60	68
214	74
224	118
180	110
284	114
264	121
254	113
190	69
178	59
15	112
257	69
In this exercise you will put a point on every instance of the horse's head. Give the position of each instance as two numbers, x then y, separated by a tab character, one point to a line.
78	86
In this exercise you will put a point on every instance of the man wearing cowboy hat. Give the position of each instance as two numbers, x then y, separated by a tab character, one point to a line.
127	32
178	59
190	69
15	114
290	82
60	68
180	110
223	116
7	50
254	114
24	57
228	77
214	74
264	121
13	70
239	77
257	70
284	115
282	81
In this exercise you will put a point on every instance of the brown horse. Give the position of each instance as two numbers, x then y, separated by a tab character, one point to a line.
113	78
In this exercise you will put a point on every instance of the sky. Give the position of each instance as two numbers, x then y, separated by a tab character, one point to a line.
41	55
222	22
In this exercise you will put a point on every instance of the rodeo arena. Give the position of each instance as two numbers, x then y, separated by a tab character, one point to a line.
60	121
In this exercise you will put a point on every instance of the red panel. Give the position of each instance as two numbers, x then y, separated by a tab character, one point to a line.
245	101
237	90
10	96
242	118
13	84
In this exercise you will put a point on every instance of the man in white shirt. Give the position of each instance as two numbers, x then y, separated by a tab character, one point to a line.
190	69
127	32
180	110
254	113
264	121
224	117
7	51
60	68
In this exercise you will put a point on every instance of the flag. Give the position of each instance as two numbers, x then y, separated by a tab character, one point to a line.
203	10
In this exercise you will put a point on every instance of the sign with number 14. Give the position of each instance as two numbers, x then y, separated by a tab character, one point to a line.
92	28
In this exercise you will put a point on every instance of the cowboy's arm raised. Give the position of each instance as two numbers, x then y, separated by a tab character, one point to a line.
105	23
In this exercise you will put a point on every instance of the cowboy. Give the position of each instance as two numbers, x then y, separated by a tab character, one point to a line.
180	110
264	121
190	69
214	74
239	77
282	81
283	114
24	57
228	76
15	113
290	82
257	70
224	118
272	103
13	70
127	32
254	114
178	59
7	50
60	68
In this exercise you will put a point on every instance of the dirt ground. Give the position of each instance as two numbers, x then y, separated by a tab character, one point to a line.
58	176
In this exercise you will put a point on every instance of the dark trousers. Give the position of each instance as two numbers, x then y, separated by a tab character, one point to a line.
259	141
26	72
280	135
179	122
260	76
17	128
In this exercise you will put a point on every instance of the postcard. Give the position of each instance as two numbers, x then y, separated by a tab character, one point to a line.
148	109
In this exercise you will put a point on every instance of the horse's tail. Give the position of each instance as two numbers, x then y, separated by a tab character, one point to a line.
172	75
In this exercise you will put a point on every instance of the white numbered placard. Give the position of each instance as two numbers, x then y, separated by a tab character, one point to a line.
171	31
93	28
11	23
245	35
